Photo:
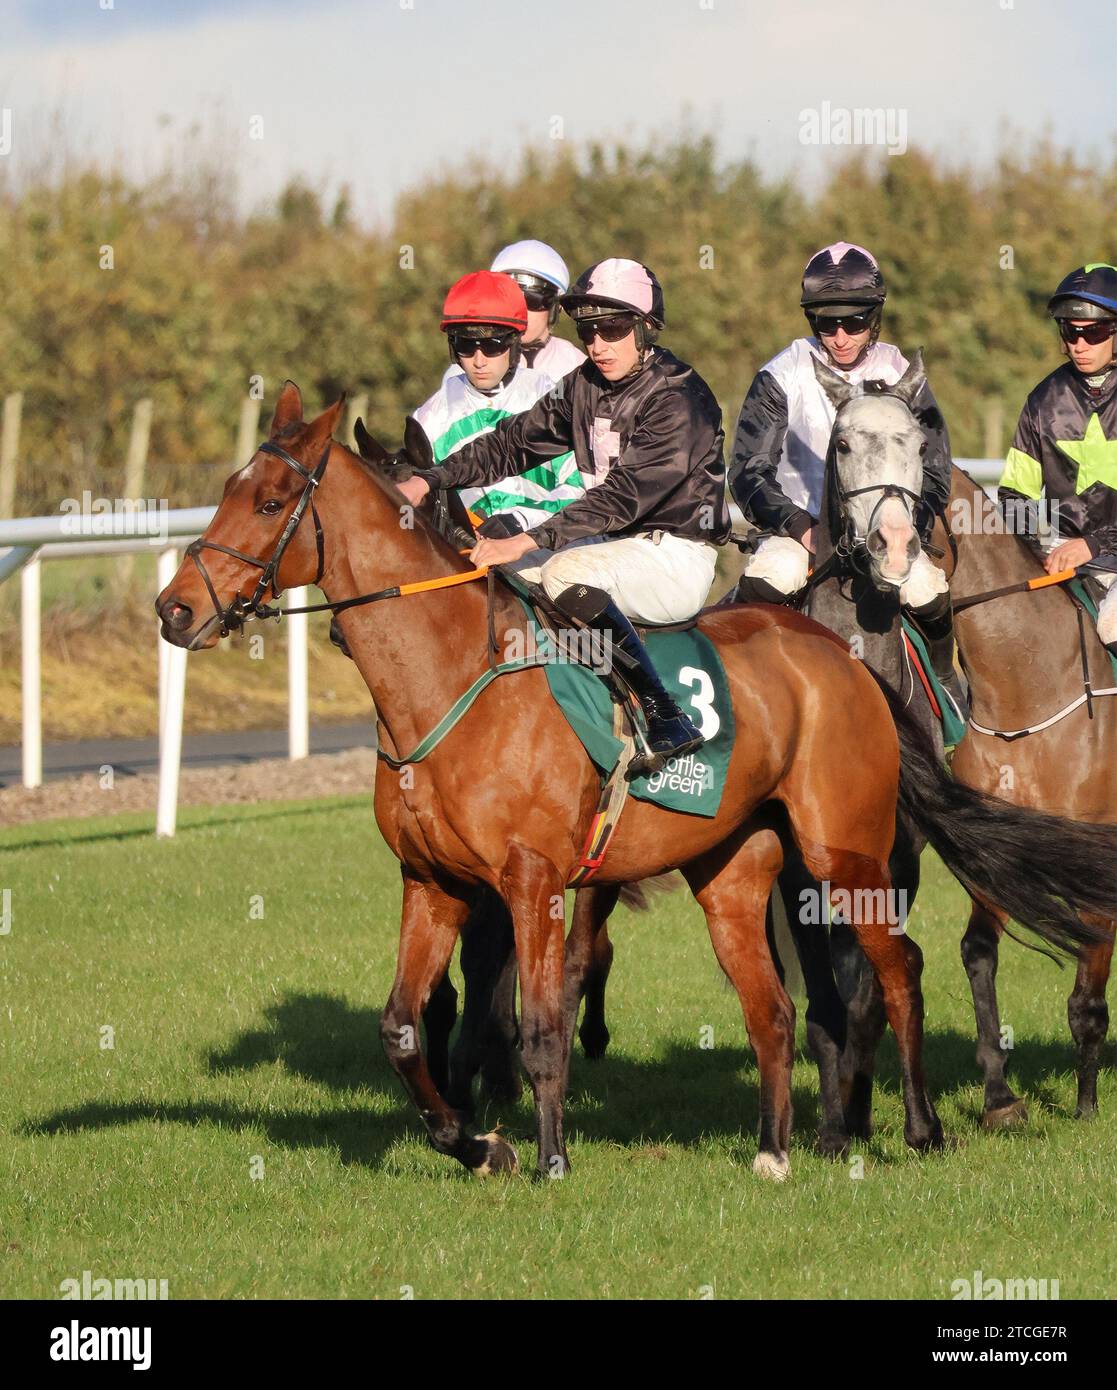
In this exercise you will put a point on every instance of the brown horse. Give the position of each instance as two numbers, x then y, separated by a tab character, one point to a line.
1024	659
507	795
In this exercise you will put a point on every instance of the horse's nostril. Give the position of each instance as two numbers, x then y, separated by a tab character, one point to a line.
177	616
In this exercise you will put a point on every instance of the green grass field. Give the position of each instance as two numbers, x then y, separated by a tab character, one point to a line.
245	1046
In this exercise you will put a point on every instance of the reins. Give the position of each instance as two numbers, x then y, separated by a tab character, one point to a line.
241	610
1042	581
1089	694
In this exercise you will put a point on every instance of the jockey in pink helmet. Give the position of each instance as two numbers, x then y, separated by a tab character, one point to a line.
646	433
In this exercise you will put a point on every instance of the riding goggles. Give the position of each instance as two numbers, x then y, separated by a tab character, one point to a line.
1094	333
610	329
538	293
467	345
852	323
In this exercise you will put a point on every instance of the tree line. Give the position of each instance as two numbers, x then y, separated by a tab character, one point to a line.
113	291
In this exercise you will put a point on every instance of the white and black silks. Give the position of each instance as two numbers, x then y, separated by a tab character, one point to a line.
778	462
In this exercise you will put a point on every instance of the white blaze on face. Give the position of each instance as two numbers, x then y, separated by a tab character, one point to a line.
884	448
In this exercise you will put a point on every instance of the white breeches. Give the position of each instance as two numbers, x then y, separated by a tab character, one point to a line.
664	581
1107	609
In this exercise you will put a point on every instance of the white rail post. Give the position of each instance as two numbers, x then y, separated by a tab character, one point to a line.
165	568
31	673
298	704
170	743
172	698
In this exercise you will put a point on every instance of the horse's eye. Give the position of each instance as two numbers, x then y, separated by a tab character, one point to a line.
271	508
843	446
923	449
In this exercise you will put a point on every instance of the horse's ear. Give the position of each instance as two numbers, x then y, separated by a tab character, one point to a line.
912	381
320	429
288	409
836	387
416	444
367	447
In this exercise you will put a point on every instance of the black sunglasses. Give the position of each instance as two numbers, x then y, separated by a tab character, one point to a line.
1094	333
537	292
852	323
539	299
609	330
466	347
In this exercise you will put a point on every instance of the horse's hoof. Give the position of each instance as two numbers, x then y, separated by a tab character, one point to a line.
775	1167
594	1043
926	1143
500	1157
1010	1116
833	1143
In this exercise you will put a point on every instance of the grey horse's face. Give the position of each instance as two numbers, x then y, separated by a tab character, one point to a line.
878	443
878	449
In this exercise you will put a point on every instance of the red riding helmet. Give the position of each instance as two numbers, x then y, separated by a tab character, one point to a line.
485	299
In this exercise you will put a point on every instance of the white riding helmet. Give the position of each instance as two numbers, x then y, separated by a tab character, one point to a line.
535	259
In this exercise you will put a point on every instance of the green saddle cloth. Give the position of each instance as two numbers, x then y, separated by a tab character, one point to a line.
690	668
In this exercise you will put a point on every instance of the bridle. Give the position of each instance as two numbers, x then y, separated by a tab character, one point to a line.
241	610
851	541
851	546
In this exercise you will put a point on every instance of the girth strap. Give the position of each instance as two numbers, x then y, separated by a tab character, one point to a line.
460	707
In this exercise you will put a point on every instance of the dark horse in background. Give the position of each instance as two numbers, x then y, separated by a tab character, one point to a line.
506	798
1038	736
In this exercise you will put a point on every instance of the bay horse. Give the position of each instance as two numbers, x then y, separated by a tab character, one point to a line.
1028	658
1024	657
505	798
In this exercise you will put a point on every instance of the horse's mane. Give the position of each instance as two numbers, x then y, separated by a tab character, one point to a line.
379	477
1020	541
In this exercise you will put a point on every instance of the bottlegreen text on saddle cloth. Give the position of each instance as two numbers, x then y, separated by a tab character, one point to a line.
692	671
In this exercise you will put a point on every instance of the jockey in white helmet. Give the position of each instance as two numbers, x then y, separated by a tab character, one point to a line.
541	273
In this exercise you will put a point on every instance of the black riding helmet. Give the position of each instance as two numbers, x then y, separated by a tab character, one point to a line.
1090	292
842	280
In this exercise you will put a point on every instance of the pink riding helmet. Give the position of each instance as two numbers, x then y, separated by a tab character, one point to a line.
616	284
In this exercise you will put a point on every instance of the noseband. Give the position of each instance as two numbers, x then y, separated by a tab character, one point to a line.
241	610
851	541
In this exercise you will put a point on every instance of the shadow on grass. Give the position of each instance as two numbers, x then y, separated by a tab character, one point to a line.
222	816
685	1096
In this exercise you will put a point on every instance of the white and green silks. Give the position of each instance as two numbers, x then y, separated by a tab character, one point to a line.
458	413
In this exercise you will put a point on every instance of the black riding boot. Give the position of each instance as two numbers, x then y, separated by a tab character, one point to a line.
670	732
935	621
751	590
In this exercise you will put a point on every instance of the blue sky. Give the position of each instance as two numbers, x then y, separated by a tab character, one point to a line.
380	93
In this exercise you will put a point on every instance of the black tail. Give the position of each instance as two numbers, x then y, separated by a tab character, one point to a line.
1040	869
